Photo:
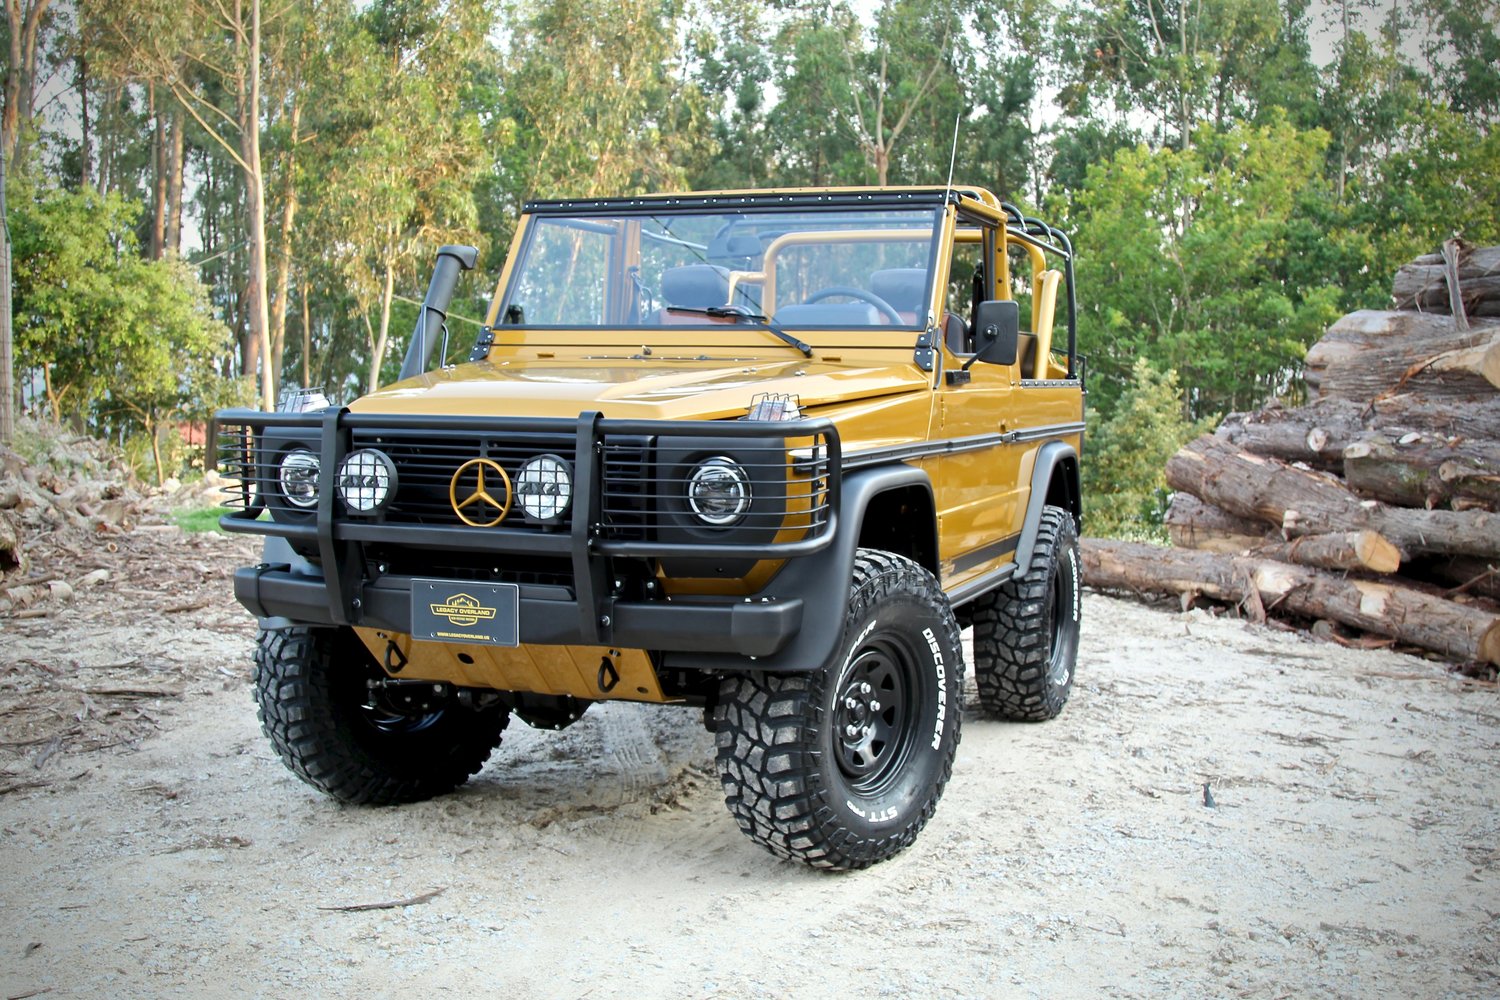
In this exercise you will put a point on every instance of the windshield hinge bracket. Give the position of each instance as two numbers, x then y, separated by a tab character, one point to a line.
923	355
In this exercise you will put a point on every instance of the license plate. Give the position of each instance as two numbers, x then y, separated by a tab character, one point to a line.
458	611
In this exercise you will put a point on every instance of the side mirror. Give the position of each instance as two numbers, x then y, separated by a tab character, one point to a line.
997	331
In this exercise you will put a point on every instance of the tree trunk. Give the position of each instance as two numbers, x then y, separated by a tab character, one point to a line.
1423	284
1343	550
155	433
255	209
20	73
284	263
1319	432
1460	365
1402	613
85	152
1356	333
1193	524
158	177
1309	503
1414	471
175	152
377	355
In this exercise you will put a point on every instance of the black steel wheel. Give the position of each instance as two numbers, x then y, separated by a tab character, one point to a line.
358	743
842	768
1026	633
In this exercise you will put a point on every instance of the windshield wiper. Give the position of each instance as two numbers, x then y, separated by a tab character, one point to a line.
740	312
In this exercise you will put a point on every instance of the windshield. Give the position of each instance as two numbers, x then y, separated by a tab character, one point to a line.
834	268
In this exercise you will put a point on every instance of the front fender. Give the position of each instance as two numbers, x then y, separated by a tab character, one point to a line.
821	581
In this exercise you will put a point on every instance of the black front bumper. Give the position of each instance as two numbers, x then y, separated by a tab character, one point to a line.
333	582
548	615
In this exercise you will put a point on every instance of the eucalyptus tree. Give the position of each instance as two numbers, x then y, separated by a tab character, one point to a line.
596	99
399	151
1179	62
209	56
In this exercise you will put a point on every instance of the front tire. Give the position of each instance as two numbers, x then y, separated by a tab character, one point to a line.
1026	633
842	768
315	706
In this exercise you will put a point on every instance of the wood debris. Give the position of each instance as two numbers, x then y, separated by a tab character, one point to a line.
1375	507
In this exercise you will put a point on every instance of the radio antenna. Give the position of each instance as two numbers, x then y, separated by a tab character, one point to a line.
953	156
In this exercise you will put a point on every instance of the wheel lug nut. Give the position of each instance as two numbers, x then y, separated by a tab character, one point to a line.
874	706
864	689
851	703
851	730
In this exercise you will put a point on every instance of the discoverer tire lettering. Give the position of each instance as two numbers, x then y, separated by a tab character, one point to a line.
841	768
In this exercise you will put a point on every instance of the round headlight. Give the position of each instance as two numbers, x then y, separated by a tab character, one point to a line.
366	480
544	488
718	491
299	478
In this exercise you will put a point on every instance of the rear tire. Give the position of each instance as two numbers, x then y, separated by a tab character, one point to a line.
841	768
312	688
1026	633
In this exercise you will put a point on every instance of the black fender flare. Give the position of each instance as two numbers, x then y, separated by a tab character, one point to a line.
1052	459
821	582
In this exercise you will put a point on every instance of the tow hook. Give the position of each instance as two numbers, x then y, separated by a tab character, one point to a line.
408	697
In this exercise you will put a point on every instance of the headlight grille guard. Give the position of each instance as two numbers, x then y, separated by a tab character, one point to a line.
808	456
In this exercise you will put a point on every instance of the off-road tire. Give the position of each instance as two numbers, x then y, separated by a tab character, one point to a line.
1026	632
795	781
311	688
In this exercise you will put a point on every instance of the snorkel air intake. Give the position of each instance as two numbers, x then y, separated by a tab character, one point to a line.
451	261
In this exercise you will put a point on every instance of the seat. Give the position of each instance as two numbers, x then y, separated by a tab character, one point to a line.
905	288
693	286
696	286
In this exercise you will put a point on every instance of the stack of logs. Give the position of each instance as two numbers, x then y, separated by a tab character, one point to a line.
1374	507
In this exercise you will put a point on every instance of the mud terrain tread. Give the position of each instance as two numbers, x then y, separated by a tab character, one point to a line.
1011	635
767	727
319	738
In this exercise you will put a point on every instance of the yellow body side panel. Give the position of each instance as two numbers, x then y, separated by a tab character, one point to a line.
554	670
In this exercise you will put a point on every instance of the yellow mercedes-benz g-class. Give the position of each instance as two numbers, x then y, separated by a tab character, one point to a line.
761	452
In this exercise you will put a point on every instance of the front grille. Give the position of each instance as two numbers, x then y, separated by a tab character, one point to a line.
425	464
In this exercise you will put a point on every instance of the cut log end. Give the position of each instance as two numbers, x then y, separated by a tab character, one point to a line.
1489	364
1489	645
1375	553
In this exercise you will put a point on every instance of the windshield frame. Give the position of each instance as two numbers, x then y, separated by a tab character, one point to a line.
888	217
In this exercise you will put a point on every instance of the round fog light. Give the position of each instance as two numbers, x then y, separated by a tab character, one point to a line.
718	491
366	480
544	488
299	478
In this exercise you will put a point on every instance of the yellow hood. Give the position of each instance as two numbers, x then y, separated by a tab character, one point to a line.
642	388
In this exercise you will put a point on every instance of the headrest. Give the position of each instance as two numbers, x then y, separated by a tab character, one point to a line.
734	247
696	285
905	288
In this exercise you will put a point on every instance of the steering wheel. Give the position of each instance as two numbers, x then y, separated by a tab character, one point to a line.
848	291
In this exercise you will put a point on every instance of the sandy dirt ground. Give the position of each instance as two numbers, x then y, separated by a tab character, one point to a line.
151	844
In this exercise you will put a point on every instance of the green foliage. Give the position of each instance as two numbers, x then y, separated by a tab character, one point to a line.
1227	194
590	96
1124	485
1183	262
120	344
199	519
